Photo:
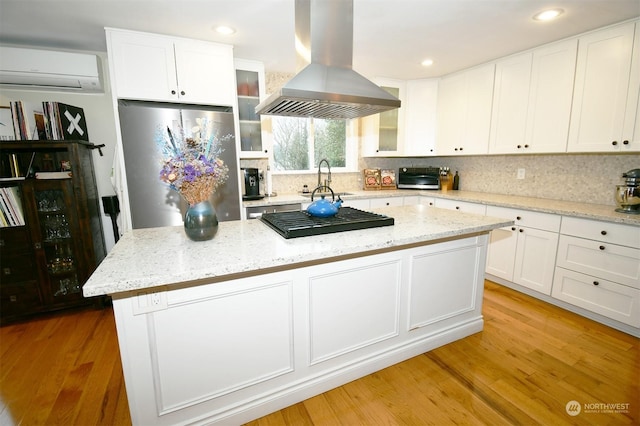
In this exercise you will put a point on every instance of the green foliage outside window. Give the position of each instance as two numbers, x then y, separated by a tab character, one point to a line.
300	143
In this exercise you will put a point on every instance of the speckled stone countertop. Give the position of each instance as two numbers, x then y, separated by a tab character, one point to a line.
567	208
145	258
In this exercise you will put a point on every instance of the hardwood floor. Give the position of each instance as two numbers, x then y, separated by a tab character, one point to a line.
528	363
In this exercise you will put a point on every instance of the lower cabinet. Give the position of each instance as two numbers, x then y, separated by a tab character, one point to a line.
607	298
598	268
525	255
462	206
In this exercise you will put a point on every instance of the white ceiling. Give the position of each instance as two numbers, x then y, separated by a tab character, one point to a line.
391	37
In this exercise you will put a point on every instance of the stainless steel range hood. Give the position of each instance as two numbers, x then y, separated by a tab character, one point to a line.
327	87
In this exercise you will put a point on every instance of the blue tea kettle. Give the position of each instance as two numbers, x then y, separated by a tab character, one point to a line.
324	207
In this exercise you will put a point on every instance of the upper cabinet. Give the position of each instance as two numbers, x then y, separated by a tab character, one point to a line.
420	133
464	111
250	89
408	131
532	100
605	103
383	133
169	69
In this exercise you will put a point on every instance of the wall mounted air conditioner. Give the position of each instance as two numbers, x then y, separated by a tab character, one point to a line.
22	68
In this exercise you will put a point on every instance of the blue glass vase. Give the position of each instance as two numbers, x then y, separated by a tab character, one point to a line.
201	221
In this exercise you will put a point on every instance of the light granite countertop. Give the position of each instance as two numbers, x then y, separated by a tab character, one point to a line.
584	210
146	258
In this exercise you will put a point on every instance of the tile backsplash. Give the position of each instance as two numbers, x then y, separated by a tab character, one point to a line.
587	178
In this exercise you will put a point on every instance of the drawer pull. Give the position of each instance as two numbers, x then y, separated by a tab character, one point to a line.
518	218
596	283
513	228
601	247
457	208
521	230
6	271
603	232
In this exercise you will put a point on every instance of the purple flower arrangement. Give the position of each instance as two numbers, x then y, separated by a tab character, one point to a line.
191	163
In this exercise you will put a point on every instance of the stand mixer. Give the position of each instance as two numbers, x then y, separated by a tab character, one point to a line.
628	195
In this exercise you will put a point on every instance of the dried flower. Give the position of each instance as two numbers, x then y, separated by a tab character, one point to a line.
191	163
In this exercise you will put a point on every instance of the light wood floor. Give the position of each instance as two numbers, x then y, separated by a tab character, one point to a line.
528	363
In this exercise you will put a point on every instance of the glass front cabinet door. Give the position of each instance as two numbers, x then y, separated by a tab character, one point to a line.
250	88
58	246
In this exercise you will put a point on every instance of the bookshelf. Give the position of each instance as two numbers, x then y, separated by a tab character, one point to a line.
46	259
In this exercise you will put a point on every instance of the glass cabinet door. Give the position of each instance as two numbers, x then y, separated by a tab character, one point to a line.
57	243
248	100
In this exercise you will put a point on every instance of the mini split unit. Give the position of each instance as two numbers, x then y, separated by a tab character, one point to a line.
22	68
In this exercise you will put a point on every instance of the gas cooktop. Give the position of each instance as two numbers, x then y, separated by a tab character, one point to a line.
295	224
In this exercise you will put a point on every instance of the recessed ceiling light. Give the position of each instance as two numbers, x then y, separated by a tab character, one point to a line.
427	62
548	15
224	30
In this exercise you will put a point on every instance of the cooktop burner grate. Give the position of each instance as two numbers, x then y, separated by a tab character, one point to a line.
301	224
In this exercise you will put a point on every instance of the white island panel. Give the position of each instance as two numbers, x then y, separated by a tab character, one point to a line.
353	308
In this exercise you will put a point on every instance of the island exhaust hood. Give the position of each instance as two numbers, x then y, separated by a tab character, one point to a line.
327	87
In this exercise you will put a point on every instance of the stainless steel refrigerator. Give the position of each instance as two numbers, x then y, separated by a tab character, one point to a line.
151	201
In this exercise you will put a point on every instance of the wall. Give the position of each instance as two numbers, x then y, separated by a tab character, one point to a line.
100	126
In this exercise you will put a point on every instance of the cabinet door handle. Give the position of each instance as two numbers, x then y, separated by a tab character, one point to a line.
173	92
457	208
521	230
614	143
1	243
603	232
182	92
625	142
37	246
518	217
6	271
601	247
513	228
519	146
596	283
526	145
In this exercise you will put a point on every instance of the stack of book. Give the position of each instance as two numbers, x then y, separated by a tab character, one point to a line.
48	120
11	213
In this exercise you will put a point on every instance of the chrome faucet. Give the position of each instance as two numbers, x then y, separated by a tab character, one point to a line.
327	181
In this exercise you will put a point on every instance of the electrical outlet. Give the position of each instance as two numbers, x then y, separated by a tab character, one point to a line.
148	301
520	174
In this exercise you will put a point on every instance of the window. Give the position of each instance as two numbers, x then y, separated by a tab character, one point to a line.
300	143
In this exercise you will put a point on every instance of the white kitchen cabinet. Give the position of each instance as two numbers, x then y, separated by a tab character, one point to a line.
250	88
532	100
412	200
462	206
427	201
524	253
607	298
598	268
361	204
464	111
421	107
606	94
161	68
386	202
383	133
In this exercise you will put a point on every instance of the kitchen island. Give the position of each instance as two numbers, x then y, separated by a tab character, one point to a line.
231	329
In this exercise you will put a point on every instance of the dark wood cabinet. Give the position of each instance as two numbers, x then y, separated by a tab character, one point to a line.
45	263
